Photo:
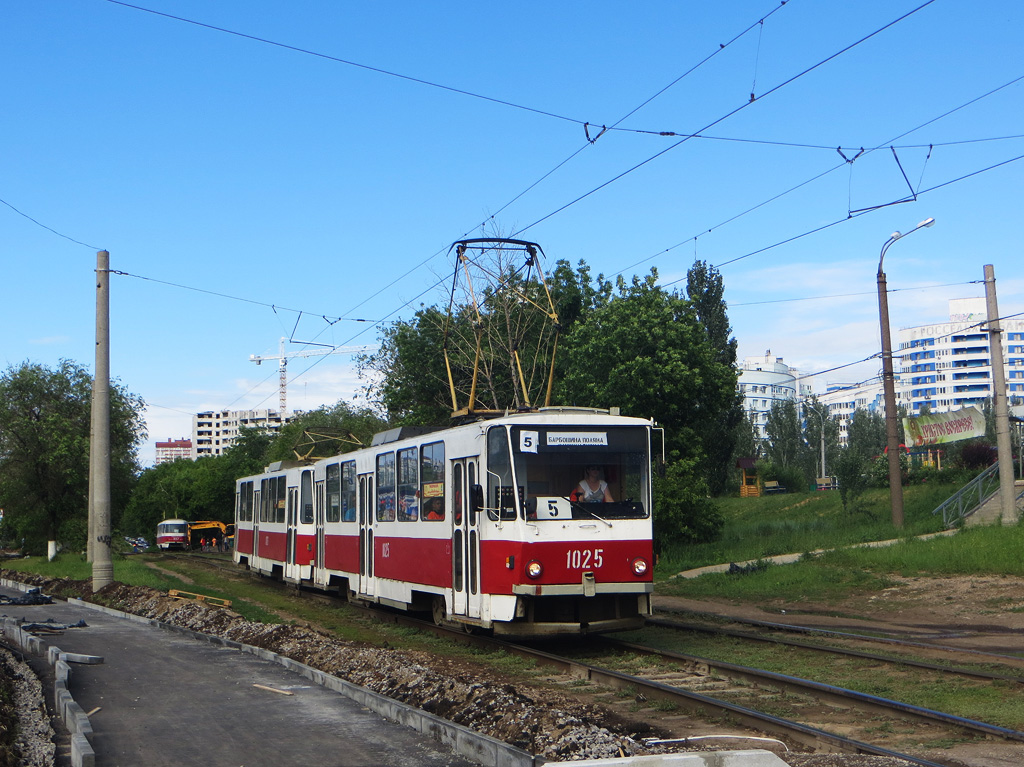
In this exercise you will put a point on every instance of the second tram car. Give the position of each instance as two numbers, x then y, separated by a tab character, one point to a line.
488	524
172	535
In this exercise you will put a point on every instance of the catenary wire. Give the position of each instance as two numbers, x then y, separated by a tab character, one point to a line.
338	60
851	295
724	117
821	175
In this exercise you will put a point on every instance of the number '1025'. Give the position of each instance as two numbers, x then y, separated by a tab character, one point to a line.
580	559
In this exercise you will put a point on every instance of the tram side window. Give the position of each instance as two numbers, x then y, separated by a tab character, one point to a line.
386	487
245	502
408	486
333	492
267	488
306	498
432	480
501	495
348	491
280	487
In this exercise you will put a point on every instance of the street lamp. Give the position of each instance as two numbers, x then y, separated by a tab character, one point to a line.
889	385
820	412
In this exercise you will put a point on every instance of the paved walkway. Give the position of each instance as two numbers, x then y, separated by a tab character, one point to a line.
163	698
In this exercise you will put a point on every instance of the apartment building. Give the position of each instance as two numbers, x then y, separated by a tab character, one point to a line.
948	365
213	432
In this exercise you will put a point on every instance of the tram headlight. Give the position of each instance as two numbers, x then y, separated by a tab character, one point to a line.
639	566
534	569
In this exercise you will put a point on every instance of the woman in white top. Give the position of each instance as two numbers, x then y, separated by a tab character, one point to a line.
593	489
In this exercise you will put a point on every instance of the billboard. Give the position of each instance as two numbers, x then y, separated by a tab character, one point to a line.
939	428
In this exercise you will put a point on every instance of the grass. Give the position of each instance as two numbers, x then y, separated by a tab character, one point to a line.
757	528
803	523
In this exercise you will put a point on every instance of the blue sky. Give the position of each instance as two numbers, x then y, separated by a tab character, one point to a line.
209	163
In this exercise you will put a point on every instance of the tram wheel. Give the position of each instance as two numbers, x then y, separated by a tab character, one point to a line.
437	610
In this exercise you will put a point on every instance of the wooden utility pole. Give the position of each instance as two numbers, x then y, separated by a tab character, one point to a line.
1007	501
99	448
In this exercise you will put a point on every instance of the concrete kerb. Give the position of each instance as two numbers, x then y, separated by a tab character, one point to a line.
481	748
73	716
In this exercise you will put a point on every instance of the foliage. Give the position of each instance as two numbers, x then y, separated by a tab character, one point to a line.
683	512
866	432
785	450
706	289
978	454
793	478
45	425
644	351
817	417
793	523
851	471
509	323
182	489
407	372
324	432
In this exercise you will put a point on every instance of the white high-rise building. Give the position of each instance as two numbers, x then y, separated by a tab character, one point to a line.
213	432
843	400
948	365
763	381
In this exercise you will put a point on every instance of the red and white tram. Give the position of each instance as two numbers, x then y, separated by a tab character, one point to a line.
482	524
172	535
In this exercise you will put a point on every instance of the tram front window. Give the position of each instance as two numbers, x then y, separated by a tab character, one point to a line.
577	473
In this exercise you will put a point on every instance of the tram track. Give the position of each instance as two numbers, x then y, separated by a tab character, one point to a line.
688	691
961	671
819	718
713	621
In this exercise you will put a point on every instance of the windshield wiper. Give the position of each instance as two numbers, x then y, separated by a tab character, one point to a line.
586	507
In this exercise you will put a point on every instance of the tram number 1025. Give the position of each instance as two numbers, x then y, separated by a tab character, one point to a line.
581	559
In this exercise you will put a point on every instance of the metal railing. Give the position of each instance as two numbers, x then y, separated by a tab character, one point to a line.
971	497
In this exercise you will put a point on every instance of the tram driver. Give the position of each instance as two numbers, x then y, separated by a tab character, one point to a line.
592	488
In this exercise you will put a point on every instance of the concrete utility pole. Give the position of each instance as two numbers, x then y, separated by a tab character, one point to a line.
892	433
99	449
1007	501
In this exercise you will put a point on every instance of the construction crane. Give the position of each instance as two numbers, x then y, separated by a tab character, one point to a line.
284	357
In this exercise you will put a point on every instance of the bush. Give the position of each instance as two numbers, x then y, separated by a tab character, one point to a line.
683	512
790	477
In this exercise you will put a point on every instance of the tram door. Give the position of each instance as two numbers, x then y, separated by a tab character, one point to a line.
299	508
318	510
290	569
366	517
465	541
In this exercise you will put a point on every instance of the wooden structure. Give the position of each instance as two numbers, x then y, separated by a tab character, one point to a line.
750	482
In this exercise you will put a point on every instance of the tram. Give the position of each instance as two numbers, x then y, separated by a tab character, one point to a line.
482	525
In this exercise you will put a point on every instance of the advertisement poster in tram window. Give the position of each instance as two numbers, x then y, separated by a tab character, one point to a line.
386	506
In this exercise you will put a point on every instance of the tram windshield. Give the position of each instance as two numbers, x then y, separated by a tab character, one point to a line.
568	472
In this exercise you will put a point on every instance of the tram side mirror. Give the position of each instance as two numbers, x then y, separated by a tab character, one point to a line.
476	498
531	508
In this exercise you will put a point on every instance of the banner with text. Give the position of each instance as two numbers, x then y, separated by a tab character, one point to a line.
938	428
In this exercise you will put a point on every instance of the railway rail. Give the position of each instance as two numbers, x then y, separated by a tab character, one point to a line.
962	671
876	638
696	685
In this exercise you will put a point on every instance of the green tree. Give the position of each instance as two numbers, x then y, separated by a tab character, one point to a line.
706	290
45	422
407	372
866	432
683	512
408	375
817	417
865	439
645	351
324	432
788	459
